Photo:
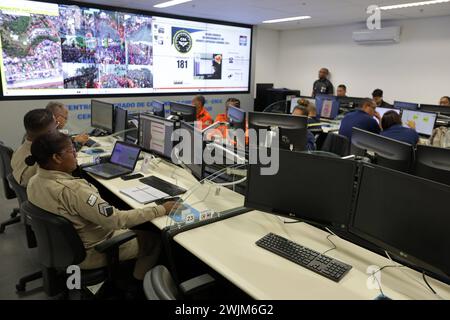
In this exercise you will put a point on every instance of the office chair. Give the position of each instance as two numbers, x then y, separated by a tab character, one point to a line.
159	285
5	170
59	246
337	144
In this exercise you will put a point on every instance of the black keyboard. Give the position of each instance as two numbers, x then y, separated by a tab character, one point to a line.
310	259
163	186
111	169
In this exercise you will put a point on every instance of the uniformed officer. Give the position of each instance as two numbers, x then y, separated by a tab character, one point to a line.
54	189
362	119
323	85
377	96
61	114
203	115
444	101
301	110
394	129
36	122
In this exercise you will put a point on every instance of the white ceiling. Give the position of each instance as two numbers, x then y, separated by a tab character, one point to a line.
323	12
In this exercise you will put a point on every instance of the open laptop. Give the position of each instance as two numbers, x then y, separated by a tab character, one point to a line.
123	160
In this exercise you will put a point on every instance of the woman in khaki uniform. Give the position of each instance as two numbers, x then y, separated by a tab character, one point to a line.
54	189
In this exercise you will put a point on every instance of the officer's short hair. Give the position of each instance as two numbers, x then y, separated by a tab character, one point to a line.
302	109
233	102
367	102
343	86
55	106
201	99
37	120
377	93
389	119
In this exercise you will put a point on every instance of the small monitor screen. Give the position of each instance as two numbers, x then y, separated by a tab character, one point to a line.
125	155
405	105
327	106
382	111
424	121
102	115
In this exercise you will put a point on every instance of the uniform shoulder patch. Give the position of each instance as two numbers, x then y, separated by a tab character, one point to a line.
105	209
92	200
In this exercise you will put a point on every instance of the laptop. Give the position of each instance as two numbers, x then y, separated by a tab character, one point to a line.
123	160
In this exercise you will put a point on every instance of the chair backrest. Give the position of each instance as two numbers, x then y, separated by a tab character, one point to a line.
5	169
159	285
21	192
337	144
59	244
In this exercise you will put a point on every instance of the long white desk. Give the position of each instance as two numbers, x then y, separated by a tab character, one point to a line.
228	246
230	249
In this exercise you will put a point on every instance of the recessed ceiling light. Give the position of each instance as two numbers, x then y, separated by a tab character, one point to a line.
413	4
170	3
288	19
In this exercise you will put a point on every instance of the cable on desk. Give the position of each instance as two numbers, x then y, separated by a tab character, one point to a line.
332	243
425	280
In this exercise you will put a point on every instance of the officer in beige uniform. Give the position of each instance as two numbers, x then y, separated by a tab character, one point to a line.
54	189
36	122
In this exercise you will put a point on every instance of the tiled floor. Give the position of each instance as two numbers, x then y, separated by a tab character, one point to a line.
16	259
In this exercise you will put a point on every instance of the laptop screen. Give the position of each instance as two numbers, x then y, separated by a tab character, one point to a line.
125	155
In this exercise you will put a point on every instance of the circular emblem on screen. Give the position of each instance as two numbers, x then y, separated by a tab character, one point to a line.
182	41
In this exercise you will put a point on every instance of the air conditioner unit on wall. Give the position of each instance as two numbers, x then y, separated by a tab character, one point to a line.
377	36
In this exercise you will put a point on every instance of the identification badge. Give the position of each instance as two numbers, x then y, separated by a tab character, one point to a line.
92	200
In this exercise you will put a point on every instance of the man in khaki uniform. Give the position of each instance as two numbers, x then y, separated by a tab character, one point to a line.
57	191
36	122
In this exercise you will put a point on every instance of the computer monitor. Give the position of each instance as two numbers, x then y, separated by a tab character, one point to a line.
192	157
406	105
185	112
102	116
292	130
382	111
297	190
389	153
294	102
424	121
158	108
327	106
236	118
120	123
404	215
433	163
351	102
155	134
441	110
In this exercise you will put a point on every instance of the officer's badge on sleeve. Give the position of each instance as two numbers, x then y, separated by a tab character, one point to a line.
92	200
105	209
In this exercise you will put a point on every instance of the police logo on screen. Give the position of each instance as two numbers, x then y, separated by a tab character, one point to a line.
182	41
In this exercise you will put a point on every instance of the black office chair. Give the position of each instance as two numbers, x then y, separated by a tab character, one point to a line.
59	246
337	144
159	285
5	170
433	163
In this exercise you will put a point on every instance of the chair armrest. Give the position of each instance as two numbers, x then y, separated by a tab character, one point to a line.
196	284
115	242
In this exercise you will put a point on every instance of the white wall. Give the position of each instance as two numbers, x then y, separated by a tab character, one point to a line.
267	56
417	69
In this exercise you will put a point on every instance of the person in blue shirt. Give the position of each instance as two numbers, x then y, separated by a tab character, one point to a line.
361	119
311	140
393	128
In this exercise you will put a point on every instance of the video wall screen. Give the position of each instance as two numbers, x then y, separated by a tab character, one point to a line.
58	49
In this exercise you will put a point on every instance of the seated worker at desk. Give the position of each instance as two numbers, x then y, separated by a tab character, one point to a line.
61	114
203	115
341	91
311	112
54	189
362	119
311	140
377	96
445	101
392	126
223	117
36	122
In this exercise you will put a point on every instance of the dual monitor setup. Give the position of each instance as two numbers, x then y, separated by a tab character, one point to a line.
407	224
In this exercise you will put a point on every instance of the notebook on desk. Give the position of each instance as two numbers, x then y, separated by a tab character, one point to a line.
144	194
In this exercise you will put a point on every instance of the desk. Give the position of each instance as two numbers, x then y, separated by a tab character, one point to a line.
201	197
228	246
230	250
